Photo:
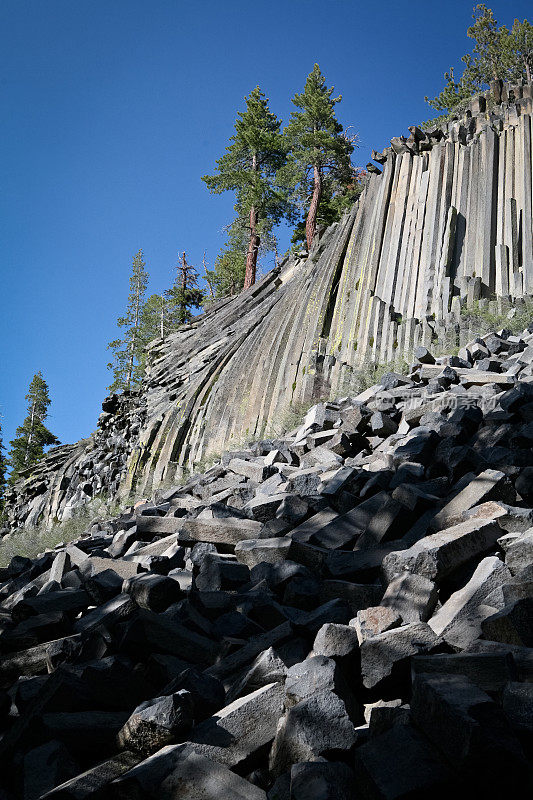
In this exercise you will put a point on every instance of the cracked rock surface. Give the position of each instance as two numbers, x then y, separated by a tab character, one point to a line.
344	611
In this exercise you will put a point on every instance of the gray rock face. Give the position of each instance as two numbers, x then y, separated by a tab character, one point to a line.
382	652
411	596
236	369
373	620
513	624
257	551
188	776
435	556
154	592
241	728
45	767
321	781
400	763
519	551
488	485
310	728
459	620
232	628
335	641
469	728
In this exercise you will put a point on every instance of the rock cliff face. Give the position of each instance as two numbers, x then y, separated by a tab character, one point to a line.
448	222
344	612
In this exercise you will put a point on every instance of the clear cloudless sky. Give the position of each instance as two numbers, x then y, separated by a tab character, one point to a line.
112	110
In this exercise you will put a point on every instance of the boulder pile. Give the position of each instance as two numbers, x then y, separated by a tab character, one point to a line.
343	612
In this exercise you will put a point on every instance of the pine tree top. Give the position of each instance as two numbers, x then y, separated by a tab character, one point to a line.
38	395
32	436
314	133
497	54
256	150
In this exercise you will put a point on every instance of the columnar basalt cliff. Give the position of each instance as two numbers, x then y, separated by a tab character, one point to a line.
446	223
344	612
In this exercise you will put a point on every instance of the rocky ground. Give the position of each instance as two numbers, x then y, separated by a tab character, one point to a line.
345	612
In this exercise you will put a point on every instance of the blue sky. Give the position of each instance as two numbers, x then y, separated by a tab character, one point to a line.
112	110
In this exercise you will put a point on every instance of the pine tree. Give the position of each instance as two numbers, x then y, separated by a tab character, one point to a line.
491	51
185	293
227	276
156	318
207	275
128	351
497	54
455	92
3	470
248	168
521	45
319	165
27	448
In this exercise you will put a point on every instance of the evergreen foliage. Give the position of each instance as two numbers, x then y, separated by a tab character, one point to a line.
497	54
128	351
522	48
227	276
255	153
3	471
318	174
157	319
31	438
184	295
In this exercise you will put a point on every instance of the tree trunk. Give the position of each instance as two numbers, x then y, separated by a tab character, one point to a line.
30	435
310	224
182	307
528	69
133	343
253	247
253	244
130	364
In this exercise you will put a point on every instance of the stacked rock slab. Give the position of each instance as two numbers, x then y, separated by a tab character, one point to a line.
345	611
70	476
438	227
448	222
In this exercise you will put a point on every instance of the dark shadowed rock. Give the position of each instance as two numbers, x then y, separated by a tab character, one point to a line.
157	722
312	727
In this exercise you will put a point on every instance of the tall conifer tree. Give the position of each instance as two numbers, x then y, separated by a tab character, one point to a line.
157	320
497	54
3	470
127	364
319	165
227	276
491	55
522	48
185	293
248	168
31	438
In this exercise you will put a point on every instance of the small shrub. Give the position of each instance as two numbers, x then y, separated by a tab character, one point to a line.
514	317
291	418
207	462
370	373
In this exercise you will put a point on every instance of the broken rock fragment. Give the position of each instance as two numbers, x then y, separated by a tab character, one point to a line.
157	722
435	556
312	727
382	653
